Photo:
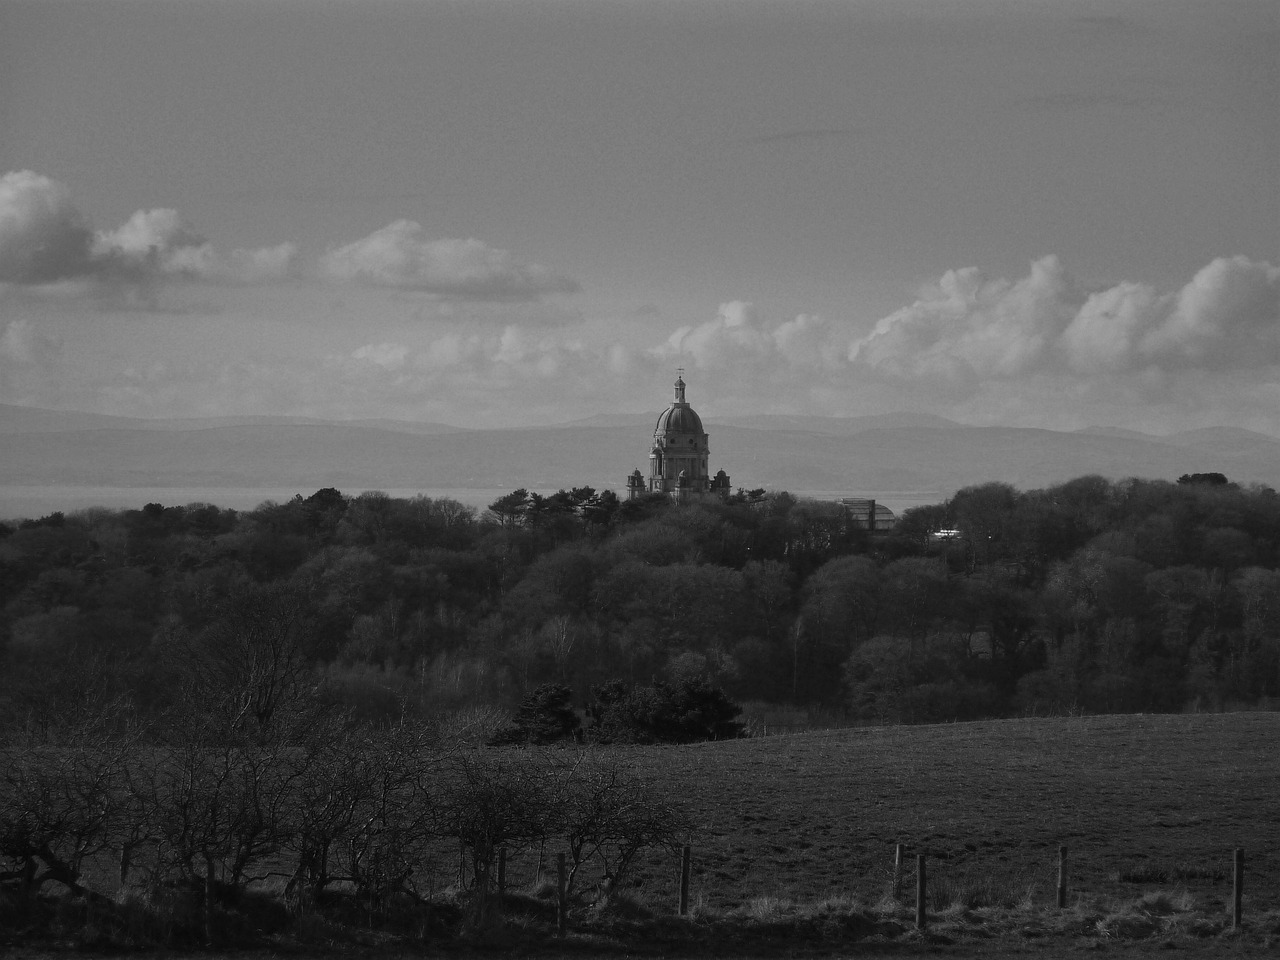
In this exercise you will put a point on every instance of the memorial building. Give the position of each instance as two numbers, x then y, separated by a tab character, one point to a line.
678	459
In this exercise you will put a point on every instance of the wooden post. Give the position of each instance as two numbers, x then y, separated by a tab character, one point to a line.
562	908
1237	889
208	903
1062	878
921	919
502	871
686	857
126	859
898	852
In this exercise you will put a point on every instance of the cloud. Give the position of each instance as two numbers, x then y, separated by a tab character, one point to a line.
264	263
741	337
28	361
389	356
400	255
736	337
157	243
968	330
490	377
1040	349
45	240
1227	317
43	237
21	343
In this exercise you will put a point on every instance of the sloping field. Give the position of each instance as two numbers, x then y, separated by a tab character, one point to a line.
1142	802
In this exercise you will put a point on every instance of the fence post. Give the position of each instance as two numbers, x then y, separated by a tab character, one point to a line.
1062	878
1237	889
686	856
502	871
920	892
561	905
898	851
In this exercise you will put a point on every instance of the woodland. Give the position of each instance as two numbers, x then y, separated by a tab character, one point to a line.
218	724
1092	596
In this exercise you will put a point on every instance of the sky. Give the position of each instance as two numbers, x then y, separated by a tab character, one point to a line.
491	214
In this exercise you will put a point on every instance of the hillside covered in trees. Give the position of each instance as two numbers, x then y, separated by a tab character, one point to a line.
1089	596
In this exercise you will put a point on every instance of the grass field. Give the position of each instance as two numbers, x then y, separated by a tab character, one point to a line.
1142	803
795	837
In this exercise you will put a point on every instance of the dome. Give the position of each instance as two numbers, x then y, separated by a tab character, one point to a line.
679	417
678	459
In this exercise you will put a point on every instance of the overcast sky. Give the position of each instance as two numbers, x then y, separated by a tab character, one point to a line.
1034	213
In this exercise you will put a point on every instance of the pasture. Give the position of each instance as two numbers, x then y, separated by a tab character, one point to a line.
1142	802
794	839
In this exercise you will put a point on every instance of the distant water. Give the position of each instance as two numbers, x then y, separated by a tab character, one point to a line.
39	501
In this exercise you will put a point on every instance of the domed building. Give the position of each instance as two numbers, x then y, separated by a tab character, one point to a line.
678	457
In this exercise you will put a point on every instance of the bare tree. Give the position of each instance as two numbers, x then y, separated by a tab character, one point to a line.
60	804
494	799
608	814
395	817
250	669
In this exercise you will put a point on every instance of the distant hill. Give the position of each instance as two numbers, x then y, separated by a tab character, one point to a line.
846	426
908	452
1222	440
16	419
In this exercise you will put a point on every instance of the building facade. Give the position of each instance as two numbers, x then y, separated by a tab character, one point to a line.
679	456
869	515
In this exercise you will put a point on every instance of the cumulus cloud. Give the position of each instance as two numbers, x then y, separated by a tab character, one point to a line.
43	237
1041	349
401	255
158	243
1227	317
735	337
741	336
45	240
969	330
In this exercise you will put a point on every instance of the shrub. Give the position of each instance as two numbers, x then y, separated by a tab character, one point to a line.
544	716
684	712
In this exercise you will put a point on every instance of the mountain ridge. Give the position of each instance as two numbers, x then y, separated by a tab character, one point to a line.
935	455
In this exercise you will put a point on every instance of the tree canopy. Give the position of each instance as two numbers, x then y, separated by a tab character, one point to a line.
1092	594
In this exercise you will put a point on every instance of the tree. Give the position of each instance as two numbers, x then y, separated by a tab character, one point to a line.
250	667
914	594
683	712
61	803
1203	479
605	813
493	800
511	508
544	716
984	514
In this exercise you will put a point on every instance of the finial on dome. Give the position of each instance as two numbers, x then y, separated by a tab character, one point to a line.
680	385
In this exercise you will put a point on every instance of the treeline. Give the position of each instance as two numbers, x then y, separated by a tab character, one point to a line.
202	833
1091	595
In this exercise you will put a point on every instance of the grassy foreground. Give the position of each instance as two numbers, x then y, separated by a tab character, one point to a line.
1142	802
795	848
1150	808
